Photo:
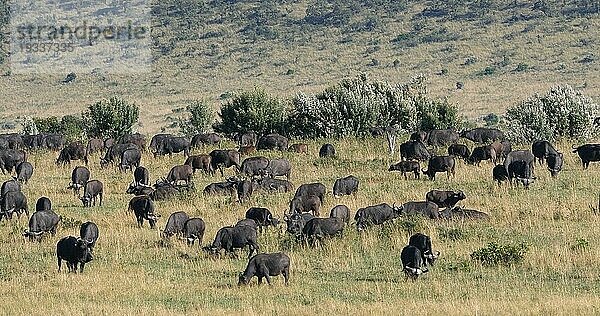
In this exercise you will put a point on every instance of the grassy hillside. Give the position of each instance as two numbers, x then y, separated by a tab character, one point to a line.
133	272
502	52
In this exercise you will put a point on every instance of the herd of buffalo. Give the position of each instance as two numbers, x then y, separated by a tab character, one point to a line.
260	174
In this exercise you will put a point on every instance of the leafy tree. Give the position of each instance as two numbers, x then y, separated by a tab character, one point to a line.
200	119
112	117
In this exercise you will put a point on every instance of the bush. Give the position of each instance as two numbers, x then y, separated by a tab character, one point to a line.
561	113
112	117
200	119
491	119
72	127
252	111
495	254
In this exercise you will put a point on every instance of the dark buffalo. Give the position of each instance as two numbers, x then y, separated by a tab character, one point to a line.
425	208
521	171
266	265
445	198
555	163
506	149
296	222
318	228
482	153
141	175
304	204
94	145
499	174
248	222
24	172
345	186
173	145
327	150
440	164
279	167
244	190
522	155
13	140
157	141
88	231
11	185
247	139
235	237
308	189
74	251
43	204
542	149
130	159
115	152
262	216
163	191
423	243
588	153
143	208
419	135
407	166
414	149
221	188
224	159
175	224
93	189
180	173
459	213
73	151
482	135
459	150
200	162
139	189
246	150
442	137
53	141
10	158
109	142
14	202
342	212
40	223
272	142
79	177
275	185
375	215
412	262
299	148
193	229
138	139
254	166
206	139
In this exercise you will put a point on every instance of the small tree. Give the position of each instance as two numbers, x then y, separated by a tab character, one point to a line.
112	117
200	119
71	126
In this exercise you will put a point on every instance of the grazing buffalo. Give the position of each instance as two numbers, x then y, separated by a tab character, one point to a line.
93	189
521	171
40	223
248	222
13	202
254	166
482	153
442	137
11	185
180	173
555	163
522	155
407	166
318	228
221	188
74	251
52	141
375	215
342	212
200	162
88	231
43	204
193	229
235	237
24	172
246	150
175	224
224	159
94	145
138	139
419	135
412	262
414	150
542	149
275	185
130	159
296	222
10	158
12	141
308	189
143	208
425	208
440	164
206	139
115	152
459	213
247	139
244	189
139	189
327	150
459	150
73	151
588	153
500	174
445	198
305	204
423	243
141	175
345	186
272	142
482	135
266	265
506	149
299	148
173	145
79	177
279	167
163	191
262	217
157	141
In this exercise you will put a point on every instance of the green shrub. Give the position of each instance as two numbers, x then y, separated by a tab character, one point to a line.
199	120
452	234
560	113
112	117
491	119
71	126
252	111
495	254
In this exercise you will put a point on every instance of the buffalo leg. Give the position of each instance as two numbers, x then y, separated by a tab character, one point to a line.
260	280
59	263
101	198
81	265
286	274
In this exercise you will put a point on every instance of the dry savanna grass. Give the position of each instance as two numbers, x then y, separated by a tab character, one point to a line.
135	273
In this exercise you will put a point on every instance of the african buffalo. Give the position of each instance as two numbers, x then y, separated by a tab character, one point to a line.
588	153
327	150
73	151
200	162
10	158
88	231
141	175
254	166
299	148
173	145
180	172
542	149
423	243
275	185
247	139
232	237
482	153
266	265
345	186
206	139
92	190
305	203
375	215
554	163
94	145
519	155
24	172
412	262
193	229
342	212
138	139
308	189
220	188
115	152
130	159
42	222
262	216
318	228
445	198
43	204
11	185
74	251
414	149
500	174
425	208
407	166
482	135
295	222
175	224
440	164
143	208
157	141
279	167
272	142
224	159
442	137
13	202
459	150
